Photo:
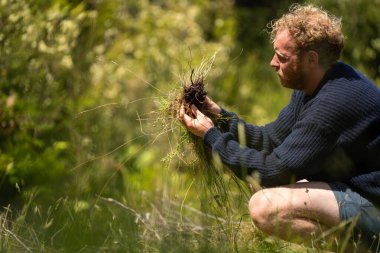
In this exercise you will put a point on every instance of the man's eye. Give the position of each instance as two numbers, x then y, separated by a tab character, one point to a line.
282	58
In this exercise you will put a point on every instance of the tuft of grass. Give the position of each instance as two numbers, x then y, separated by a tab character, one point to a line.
222	193
190	149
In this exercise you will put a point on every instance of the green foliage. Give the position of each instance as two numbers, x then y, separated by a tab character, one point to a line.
362	47
81	141
35	70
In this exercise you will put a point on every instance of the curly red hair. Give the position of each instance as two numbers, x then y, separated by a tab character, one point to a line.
314	29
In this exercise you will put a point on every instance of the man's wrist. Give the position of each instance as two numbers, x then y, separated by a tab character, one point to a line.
211	136
226	114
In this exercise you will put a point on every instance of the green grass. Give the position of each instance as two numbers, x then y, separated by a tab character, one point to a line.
172	213
157	193
145	197
101	224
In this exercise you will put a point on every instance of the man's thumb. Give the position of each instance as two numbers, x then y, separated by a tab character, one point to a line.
195	111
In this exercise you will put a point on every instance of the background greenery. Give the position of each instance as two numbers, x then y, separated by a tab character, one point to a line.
87	161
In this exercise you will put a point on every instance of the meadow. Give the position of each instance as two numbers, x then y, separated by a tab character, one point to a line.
90	161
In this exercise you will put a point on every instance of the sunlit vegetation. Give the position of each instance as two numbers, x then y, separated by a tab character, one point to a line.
89	162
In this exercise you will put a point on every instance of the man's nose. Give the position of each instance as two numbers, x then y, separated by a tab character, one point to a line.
274	63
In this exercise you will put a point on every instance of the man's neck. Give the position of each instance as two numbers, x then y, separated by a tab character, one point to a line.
316	77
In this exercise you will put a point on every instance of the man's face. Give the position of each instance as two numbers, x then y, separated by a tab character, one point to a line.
287	63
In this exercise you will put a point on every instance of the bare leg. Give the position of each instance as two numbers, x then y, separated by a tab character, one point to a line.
295	212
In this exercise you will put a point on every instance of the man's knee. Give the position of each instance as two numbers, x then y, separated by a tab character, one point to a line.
260	208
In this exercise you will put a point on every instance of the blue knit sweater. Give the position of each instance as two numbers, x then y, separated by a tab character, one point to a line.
332	135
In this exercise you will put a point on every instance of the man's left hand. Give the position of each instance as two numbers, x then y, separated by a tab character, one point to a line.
199	124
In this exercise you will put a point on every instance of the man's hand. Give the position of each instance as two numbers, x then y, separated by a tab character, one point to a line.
212	106
198	124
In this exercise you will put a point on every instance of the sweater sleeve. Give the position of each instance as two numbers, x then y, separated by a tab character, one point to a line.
260	137
296	146
304	145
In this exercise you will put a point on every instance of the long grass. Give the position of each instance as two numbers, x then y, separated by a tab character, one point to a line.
103	224
200	207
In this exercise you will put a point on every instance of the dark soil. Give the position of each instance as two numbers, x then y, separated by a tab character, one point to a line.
194	94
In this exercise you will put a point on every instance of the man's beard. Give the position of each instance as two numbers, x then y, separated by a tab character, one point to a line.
295	80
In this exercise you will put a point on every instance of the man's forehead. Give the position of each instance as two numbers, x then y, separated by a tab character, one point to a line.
284	42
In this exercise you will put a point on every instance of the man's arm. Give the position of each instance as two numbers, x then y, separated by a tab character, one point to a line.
260	137
295	156
287	147
242	160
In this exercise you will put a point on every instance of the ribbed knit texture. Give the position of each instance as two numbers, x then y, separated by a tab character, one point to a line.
333	135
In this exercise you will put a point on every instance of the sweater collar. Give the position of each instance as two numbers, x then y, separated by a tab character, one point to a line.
328	76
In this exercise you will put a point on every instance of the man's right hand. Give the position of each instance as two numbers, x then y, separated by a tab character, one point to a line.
212	106
197	123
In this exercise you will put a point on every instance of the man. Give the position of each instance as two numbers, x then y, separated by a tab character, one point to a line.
328	134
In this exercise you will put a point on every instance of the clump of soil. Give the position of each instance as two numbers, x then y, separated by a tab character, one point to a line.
194	93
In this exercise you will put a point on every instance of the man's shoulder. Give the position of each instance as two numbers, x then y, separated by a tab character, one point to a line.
348	84
345	75
347	93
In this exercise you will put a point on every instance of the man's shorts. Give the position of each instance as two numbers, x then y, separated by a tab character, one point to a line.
356	208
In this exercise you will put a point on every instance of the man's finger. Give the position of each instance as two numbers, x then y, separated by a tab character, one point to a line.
181	111
186	119
197	113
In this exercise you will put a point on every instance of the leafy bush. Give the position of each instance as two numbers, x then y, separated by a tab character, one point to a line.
38	83
82	83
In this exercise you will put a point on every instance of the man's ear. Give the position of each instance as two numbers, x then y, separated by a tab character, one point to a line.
312	58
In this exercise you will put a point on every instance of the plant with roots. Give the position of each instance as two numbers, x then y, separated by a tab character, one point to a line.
190	149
